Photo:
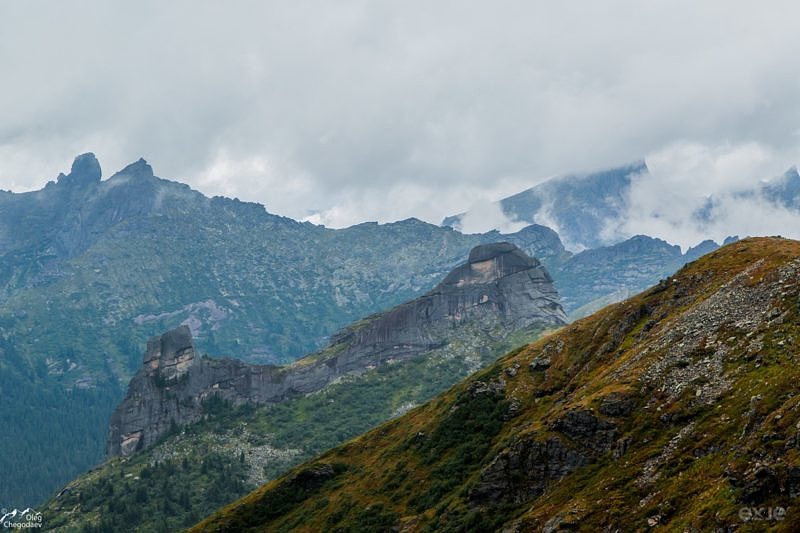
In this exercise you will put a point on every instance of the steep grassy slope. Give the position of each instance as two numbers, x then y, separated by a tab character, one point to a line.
678	407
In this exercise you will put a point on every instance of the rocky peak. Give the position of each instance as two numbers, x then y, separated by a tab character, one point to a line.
488	263
137	169
497	292
85	170
170	355
705	247
487	252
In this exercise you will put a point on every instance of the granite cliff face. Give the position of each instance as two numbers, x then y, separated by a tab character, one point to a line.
500	288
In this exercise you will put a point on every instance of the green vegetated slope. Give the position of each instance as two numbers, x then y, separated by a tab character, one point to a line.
32	415
205	465
677	407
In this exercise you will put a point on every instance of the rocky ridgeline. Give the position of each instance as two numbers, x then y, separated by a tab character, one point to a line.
499	287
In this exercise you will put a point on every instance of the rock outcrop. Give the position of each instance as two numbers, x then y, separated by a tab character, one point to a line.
85	171
499	289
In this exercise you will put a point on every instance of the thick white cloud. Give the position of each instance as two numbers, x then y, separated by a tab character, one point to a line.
357	110
485	216
686	177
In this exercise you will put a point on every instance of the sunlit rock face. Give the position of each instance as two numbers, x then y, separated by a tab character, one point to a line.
170	355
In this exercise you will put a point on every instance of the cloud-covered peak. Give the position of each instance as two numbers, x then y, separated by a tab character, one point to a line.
357	111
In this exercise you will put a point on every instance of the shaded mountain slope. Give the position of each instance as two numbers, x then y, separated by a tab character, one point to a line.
676	407
597	277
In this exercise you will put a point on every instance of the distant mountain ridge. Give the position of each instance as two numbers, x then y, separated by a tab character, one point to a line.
590	210
577	206
67	216
783	192
622	269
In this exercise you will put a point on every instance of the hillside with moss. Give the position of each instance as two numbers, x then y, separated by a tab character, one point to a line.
678	408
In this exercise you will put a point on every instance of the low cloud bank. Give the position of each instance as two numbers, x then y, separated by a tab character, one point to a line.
695	192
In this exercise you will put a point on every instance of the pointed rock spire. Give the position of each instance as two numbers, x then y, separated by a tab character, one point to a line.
85	170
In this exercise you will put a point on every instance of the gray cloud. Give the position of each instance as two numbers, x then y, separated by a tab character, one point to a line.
359	110
685	178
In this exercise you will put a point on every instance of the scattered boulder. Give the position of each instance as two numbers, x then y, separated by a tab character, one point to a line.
539	364
524	470
762	484
616	405
583	427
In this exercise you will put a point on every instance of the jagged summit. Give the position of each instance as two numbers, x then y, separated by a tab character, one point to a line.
499	291
85	170
138	169
575	205
86	165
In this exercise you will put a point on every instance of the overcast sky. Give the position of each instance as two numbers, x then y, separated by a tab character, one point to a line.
357	111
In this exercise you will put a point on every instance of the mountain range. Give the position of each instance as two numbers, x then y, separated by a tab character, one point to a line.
591	210
90	268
